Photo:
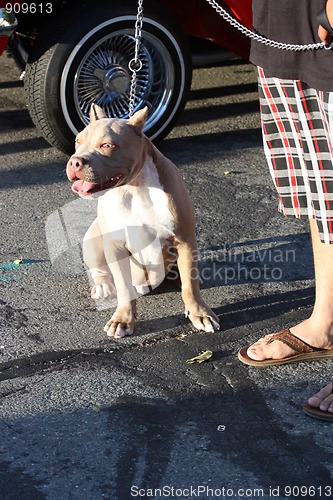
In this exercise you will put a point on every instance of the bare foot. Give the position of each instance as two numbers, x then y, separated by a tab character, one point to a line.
322	338
323	399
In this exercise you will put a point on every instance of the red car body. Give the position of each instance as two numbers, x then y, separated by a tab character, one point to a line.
198	19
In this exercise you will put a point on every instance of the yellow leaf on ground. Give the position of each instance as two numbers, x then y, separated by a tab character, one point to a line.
204	356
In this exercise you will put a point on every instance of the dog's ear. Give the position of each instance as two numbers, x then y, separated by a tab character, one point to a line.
138	120
96	113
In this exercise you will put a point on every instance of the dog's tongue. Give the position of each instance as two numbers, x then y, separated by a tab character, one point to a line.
82	187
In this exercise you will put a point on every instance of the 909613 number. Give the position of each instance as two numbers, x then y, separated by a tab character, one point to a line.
29	8
308	491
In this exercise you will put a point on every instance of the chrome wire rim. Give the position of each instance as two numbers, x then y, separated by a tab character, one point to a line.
103	77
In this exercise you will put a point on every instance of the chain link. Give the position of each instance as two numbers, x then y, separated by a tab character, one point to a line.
135	64
261	39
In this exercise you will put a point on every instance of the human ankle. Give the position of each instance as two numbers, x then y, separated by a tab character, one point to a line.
321	324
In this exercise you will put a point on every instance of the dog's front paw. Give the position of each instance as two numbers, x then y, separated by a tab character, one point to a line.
122	322
103	290
203	318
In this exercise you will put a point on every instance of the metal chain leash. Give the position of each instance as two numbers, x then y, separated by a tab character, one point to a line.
135	64
261	39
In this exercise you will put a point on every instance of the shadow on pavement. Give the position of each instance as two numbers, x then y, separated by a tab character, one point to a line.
148	443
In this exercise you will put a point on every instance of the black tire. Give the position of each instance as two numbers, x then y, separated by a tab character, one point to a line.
86	60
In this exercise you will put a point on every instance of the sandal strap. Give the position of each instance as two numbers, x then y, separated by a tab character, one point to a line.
288	338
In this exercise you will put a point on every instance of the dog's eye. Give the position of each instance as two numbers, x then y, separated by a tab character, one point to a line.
107	145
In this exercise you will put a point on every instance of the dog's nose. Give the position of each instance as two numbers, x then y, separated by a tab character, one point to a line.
75	167
75	164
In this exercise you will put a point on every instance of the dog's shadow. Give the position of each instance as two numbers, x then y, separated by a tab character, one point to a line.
236	314
264	261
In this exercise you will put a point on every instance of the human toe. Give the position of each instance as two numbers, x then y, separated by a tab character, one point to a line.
327	404
265	349
323	399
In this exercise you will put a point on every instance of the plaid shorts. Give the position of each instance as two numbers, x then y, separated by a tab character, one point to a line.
297	126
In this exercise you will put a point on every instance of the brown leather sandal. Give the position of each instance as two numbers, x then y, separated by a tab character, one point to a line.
303	351
327	416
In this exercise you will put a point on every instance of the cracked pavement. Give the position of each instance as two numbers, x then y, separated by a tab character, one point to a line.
85	416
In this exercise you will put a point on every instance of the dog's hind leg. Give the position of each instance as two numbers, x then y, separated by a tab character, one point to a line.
94	258
147	276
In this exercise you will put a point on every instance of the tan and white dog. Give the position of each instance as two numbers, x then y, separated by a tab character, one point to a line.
145	222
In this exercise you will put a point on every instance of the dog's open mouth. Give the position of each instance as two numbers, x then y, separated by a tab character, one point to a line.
83	187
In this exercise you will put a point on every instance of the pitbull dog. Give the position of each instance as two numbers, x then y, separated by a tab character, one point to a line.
145	219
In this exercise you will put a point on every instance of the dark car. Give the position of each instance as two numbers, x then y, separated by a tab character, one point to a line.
73	53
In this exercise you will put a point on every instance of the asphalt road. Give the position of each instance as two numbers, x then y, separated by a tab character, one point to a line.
85	416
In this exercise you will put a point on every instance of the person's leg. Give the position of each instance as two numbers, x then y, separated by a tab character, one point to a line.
318	329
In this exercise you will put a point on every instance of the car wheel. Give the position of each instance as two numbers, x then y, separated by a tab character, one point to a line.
86	60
